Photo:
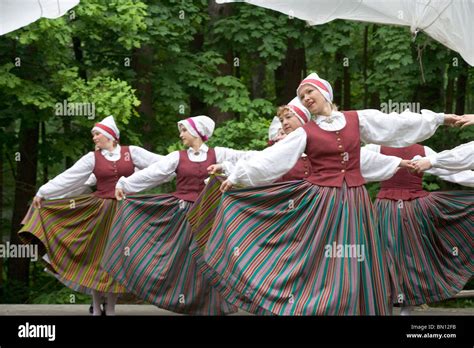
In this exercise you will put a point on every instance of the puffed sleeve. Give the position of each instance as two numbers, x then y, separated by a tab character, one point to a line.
228	158
375	166
458	158
464	177
267	165
152	176
226	155
398	130
69	180
143	158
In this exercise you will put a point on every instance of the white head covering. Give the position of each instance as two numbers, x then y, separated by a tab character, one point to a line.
108	128
199	126
275	127
299	110
322	85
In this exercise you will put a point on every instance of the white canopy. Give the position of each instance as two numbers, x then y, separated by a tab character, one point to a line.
450	22
15	14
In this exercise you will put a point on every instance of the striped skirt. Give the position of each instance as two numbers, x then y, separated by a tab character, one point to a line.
299	249
73	232
148	252
201	218
430	245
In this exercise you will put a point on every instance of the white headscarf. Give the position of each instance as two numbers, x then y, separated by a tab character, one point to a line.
108	128
322	85
299	110
274	128
199	126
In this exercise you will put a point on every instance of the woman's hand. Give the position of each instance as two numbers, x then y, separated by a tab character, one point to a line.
226	186
119	194
465	120
422	165
406	164
37	202
451	119
214	169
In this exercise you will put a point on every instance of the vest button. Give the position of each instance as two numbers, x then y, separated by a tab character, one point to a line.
305	173
342	153
343	162
339	146
337	132
343	171
338	139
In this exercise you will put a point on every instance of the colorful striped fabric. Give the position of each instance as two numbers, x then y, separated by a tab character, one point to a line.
201	219
430	245
149	253
203	212
299	249
74	232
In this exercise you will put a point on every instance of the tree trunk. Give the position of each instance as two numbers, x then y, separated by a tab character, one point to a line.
258	79
347	88
79	56
142	64
365	63
45	164
289	74
216	12
68	161
461	87
25	188
338	82
197	106
374	101
448	105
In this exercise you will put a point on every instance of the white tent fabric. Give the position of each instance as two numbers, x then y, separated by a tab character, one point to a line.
15	14
451	22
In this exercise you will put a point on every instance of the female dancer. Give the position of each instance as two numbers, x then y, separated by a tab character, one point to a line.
311	247
73	232
203	213
152	229
428	235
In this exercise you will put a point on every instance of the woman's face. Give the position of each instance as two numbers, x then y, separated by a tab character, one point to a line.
290	122
186	138
281	135
313	100
101	141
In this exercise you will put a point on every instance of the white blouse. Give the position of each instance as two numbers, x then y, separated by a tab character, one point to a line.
161	171
373	166
392	129
79	176
459	158
465	177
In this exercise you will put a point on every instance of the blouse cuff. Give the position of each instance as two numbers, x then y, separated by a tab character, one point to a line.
432	160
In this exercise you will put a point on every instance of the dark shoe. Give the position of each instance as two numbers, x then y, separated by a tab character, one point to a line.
91	309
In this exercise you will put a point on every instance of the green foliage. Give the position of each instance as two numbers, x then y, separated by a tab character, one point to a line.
110	96
249	134
102	22
46	289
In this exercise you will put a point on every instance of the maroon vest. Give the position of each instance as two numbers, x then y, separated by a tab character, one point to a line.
335	156
109	172
404	185
190	175
301	170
